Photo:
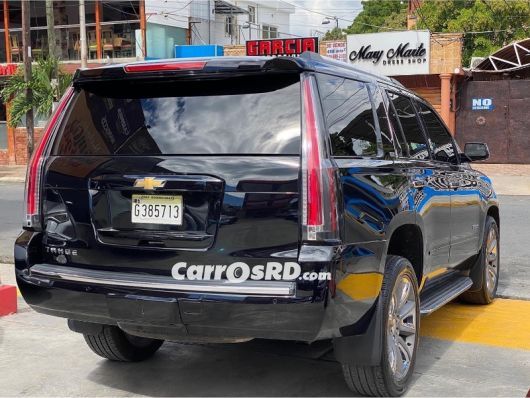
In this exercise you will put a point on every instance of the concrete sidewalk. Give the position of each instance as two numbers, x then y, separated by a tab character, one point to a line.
508	179
12	173
484	352
461	360
41	357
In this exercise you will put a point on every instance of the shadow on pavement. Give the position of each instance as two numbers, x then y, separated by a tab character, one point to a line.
257	368
280	368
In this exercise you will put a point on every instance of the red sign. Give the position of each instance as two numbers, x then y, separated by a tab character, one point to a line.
282	46
8	69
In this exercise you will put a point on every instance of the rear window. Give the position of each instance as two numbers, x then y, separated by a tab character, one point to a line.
239	115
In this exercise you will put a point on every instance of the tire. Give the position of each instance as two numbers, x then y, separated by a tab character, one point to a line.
114	344
487	263
382	380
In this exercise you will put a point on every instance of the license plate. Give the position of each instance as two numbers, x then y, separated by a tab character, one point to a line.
157	209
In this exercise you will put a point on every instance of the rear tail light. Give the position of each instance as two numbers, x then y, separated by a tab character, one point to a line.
164	66
34	172
319	188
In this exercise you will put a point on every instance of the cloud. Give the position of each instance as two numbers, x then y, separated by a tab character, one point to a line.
307	20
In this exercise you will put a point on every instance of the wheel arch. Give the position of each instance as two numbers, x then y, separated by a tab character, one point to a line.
406	241
493	211
477	262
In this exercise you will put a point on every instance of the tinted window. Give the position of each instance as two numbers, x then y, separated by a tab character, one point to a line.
410	126
349	116
394	121
441	142
386	134
255	115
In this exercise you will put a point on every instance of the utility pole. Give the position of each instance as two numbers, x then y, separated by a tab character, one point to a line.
50	23
210	10
26	53
143	30
82	34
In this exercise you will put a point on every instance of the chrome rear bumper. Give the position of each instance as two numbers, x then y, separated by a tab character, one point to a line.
161	283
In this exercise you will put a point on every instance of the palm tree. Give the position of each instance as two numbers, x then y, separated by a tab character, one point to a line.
46	90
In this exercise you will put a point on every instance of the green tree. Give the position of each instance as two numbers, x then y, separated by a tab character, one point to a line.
391	14
46	90
501	22
334	34
396	21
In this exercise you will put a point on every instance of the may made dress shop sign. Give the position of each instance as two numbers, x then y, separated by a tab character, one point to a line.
390	53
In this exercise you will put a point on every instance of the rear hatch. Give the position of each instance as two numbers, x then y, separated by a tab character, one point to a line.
145	172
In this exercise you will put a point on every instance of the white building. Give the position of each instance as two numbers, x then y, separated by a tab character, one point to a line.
226	22
221	22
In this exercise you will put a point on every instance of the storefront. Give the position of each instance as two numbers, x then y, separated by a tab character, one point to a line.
114	30
429	64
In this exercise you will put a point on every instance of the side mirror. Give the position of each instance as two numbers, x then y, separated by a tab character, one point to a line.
476	151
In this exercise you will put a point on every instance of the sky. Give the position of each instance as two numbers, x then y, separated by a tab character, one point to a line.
309	23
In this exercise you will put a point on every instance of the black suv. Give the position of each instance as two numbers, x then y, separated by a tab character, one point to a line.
306	160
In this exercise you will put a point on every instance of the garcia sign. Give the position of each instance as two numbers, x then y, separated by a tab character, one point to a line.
390	53
282	46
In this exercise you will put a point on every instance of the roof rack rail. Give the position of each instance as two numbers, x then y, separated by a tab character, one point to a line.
315	57
397	82
312	56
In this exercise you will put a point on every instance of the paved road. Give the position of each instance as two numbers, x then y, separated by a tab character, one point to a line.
41	357
11	217
515	228
515	247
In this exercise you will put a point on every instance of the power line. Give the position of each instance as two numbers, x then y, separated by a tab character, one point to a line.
418	10
197	33
173	15
237	25
120	10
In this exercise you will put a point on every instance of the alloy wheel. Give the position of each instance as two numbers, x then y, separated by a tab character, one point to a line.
401	327
492	261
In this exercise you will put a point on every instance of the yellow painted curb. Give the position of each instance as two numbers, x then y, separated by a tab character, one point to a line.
504	323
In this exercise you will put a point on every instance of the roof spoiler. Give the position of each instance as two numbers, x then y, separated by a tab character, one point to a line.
189	67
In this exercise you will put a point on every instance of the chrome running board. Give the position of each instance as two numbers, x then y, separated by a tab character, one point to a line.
442	290
160	283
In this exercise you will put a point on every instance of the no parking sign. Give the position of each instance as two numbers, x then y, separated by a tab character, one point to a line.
482	104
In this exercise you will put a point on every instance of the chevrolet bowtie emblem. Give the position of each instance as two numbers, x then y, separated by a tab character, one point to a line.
149	183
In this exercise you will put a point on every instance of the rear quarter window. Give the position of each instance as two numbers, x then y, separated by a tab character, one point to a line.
349	116
406	117
252	115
